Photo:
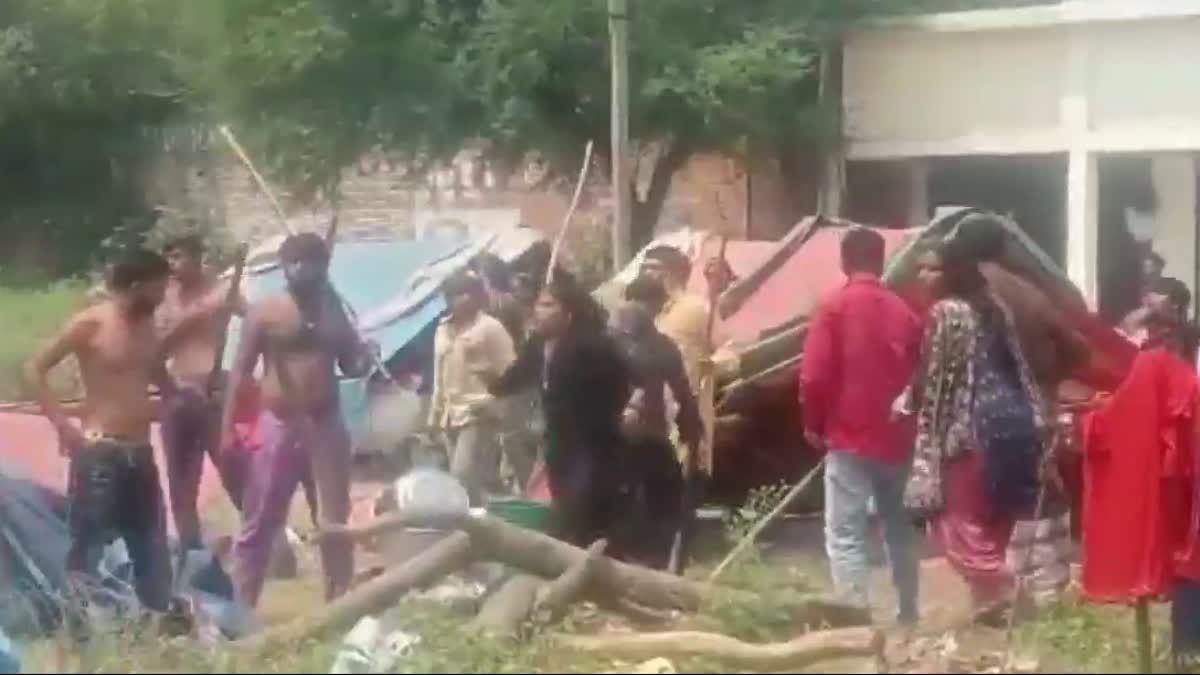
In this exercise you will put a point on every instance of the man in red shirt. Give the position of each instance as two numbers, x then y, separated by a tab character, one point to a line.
859	355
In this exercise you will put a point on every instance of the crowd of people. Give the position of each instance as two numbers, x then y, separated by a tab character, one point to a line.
943	408
607	387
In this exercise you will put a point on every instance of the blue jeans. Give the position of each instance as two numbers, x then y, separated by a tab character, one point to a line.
851	481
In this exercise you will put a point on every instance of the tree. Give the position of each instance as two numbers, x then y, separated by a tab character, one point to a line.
88	92
313	85
317	83
706	75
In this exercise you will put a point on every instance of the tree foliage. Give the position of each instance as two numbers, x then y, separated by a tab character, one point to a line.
88	89
92	91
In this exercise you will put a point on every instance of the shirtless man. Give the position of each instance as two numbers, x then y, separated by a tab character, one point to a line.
114	490
193	318
300	335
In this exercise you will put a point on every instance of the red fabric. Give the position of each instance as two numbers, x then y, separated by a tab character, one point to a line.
538	488
806	274
859	354
973	538
246	417
1138	483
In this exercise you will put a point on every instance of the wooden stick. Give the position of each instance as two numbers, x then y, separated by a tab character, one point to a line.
1145	640
767	520
566	224
374	596
680	545
803	651
238	150
505	612
1019	587
547	557
554	597
231	297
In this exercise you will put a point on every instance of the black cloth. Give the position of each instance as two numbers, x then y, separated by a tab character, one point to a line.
1185	625
656	364
114	493
584	388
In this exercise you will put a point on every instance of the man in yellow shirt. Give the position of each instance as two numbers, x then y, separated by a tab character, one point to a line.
684	318
469	342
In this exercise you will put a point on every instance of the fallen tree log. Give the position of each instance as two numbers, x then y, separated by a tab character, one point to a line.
803	651
635	613
555	597
372	597
505	611
547	557
397	520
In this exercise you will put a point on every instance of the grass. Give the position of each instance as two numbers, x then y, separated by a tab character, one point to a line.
1083	638
31	316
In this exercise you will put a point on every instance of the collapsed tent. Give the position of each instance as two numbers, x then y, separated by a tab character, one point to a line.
766	314
33	550
34	595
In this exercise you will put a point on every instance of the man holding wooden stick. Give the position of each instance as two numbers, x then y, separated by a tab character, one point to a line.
194	316
301	336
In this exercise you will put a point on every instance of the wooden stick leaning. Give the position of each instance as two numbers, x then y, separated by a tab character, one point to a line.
261	182
566	224
330	236
766	520
708	391
231	298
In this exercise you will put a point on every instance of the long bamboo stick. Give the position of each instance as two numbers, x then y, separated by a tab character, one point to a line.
566	224
261	182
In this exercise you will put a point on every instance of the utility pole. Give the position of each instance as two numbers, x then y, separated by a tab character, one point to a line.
618	29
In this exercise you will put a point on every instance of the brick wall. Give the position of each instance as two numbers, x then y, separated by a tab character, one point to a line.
378	200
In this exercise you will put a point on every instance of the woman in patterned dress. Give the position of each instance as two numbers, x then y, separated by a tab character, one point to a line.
981	427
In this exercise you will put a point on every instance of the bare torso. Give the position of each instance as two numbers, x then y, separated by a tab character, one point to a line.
190	360
300	354
118	362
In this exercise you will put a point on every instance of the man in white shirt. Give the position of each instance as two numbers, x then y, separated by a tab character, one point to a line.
469	342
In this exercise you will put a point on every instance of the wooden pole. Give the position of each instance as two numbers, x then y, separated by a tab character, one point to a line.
691	470
618	28
1144	639
566	224
261	182
231	297
767	520
831	196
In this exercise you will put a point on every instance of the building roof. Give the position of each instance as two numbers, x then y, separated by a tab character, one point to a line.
1045	15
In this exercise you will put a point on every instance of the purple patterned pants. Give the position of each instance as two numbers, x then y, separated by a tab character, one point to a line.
292	450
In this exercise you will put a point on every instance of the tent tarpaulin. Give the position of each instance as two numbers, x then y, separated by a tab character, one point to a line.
766	312
800	275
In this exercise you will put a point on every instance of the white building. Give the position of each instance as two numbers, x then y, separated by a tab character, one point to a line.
1090	108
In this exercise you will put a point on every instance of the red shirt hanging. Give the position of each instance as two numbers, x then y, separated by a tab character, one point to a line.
1139	483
